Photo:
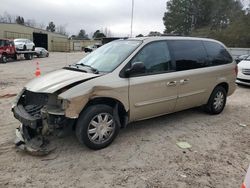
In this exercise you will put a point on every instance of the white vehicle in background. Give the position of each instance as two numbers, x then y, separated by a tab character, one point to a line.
246	183
24	44
41	52
243	76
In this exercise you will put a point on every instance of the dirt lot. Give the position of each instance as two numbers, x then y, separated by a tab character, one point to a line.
144	154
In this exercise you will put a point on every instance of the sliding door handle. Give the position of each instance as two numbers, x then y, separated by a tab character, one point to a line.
184	81
171	83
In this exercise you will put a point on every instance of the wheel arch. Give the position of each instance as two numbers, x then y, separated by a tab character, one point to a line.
225	85
112	102
208	106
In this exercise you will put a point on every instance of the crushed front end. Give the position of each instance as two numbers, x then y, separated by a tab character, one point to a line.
40	114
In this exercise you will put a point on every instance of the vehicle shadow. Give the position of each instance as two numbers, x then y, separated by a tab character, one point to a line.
22	59
135	130
164	120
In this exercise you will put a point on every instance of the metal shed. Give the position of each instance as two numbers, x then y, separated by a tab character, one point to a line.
42	38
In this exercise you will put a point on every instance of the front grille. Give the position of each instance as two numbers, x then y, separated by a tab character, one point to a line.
34	110
246	71
243	80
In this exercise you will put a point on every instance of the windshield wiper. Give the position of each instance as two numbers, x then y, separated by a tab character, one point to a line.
94	70
74	67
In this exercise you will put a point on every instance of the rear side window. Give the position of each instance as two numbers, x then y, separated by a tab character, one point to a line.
155	56
188	54
217	54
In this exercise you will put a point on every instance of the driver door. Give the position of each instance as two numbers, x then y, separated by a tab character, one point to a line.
154	92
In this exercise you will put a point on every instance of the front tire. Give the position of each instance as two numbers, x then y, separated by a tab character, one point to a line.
217	100
97	127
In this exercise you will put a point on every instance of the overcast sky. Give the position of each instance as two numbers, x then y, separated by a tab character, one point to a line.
92	14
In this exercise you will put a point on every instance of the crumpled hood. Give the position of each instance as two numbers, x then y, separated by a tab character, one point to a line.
56	80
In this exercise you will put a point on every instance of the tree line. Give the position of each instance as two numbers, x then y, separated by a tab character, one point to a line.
8	18
224	20
61	29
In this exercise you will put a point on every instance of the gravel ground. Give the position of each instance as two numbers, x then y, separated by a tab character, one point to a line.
144	154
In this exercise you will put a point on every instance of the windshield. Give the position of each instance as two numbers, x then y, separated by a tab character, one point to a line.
19	40
109	56
248	58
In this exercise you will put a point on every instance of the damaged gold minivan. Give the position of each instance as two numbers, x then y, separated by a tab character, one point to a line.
121	82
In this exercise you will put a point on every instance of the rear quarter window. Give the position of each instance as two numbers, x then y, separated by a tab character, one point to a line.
217	54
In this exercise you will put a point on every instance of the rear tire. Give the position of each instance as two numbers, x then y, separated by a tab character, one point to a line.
28	56
4	58
217	100
96	127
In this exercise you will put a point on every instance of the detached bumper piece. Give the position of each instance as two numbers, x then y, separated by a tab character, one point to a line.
37	145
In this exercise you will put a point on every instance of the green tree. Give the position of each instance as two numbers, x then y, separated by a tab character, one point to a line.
82	34
140	35
20	20
224	12
154	33
51	27
177	19
98	34
184	16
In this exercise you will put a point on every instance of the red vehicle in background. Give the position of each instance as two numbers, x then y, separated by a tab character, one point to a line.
8	50
246	183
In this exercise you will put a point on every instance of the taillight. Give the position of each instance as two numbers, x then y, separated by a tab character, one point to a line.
243	185
236	70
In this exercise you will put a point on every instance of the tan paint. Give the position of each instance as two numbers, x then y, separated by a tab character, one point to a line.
77	104
149	96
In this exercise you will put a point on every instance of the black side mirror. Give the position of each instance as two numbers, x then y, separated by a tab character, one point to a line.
136	68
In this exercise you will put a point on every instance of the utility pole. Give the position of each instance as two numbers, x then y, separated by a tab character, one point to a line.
132	17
